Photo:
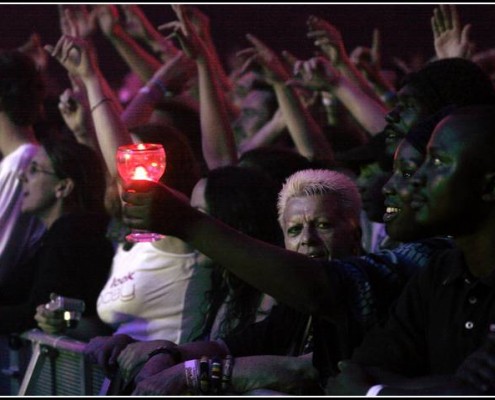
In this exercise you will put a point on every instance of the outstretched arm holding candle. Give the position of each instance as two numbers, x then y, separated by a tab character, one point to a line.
290	277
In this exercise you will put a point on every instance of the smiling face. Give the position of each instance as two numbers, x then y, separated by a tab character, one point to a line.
315	226
39	186
399	217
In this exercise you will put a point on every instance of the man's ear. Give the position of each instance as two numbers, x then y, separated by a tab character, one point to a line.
489	187
64	188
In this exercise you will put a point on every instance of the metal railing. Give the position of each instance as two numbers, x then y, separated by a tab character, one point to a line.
57	367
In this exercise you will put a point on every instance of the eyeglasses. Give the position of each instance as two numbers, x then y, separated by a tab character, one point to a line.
34	168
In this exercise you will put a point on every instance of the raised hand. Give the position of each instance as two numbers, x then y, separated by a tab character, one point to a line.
186	33
73	105
135	22
139	26
34	49
74	54
368	60
107	17
317	74
274	70
450	38
78	16
328	38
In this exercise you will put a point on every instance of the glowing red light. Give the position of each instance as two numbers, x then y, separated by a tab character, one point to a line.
143	161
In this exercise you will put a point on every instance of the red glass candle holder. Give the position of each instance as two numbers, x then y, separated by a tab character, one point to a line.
143	161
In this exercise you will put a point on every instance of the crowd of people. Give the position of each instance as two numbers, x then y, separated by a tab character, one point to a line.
326	229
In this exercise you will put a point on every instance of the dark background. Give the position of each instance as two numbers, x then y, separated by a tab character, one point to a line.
405	28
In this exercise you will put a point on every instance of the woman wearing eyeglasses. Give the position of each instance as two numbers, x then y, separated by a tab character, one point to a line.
64	187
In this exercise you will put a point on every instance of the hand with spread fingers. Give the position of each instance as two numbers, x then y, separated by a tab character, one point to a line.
450	38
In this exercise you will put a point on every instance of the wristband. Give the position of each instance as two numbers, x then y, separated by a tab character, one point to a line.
191	370
204	375
228	364
216	375
172	351
374	390
100	102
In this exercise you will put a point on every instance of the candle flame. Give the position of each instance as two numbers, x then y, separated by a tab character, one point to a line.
140	173
141	146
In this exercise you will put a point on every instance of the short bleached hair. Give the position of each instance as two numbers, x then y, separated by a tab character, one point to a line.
312	182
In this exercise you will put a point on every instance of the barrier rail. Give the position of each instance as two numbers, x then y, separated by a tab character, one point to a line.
58	368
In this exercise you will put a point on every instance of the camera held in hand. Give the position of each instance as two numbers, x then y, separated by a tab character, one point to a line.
72	309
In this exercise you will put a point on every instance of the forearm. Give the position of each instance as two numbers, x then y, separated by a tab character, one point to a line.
137	58
369	113
140	109
351	72
281	373
110	130
268	133
305	132
289	277
217	136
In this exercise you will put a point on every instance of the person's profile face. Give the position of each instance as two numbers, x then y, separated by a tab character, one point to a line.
399	217
39	185
408	110
370	183
254	113
447	187
314	226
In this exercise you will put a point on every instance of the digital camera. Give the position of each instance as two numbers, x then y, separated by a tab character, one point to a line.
72	309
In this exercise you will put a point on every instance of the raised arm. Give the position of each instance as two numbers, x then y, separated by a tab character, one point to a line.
304	130
136	57
78	57
167	85
217	135
289	277
319	74
368	61
329	39
137	24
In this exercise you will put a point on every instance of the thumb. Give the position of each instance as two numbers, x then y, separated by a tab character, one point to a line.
465	33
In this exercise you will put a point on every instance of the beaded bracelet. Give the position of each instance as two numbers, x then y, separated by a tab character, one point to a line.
216	375
191	370
228	365
204	375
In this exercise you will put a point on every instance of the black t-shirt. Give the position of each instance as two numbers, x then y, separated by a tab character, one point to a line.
442	316
73	260
367	285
